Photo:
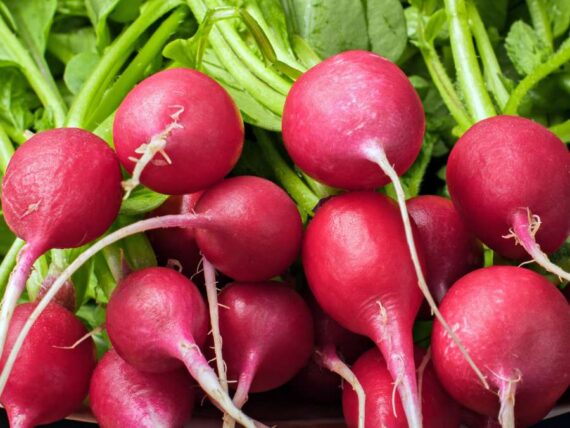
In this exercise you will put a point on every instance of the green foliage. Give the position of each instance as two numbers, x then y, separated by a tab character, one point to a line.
524	48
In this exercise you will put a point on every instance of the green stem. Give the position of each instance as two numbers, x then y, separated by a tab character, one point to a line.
292	183
247	56
491	67
562	130
16	136
266	95
135	70
466	64
9	262
117	54
48	94
6	150
541	22
445	87
561	57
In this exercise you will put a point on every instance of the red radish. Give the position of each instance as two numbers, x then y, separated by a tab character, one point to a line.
507	176
156	320
515	323
247	226
121	396
178	132
267	332
355	121
383	409
61	190
177	244
450	249
51	377
359	269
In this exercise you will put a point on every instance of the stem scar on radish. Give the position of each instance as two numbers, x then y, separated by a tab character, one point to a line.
61	190
354	121
156	320
188	119
247	227
509	177
516	324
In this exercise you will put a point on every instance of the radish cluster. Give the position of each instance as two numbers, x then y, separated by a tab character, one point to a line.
500	342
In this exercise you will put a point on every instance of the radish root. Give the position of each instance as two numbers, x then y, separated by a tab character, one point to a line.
375	153
507	393
242	392
157	144
328	358
525	227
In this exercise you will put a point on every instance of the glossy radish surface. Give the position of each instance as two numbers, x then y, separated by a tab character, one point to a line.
121	396
383	409
358	267
450	248
50	379
344	105
188	127
515	324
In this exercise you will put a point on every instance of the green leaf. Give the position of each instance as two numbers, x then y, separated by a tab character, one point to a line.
6	236
78	69
66	45
33	21
141	201
525	49
71	7
126	11
386	27
415	175
493	12
559	13
98	12
436	24
17	100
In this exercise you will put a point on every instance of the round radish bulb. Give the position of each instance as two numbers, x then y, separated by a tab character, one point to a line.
342	107
267	332
507	176
450	249
62	189
177	244
51	376
515	323
178	132
359	269
383	409
157	320
256	229
121	396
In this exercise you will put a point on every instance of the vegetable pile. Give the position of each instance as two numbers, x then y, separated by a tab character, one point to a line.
363	204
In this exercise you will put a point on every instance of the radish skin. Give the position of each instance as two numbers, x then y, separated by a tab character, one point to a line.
515	323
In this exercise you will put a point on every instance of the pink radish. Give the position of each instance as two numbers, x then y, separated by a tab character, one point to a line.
178	132
515	323
51	377
247	226
157	320
177	244
509	177
383	409
355	121
450	249
61	190
358	266
121	396
267	332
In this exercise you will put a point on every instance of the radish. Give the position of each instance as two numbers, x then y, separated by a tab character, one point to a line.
355	121
121	396
383	409
450	249
509	177
51	377
247	226
515	323
177	132
267	332
359	269
156	320
61	190
178	245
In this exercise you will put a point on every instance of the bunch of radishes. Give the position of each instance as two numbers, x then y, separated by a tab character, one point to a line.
500	342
